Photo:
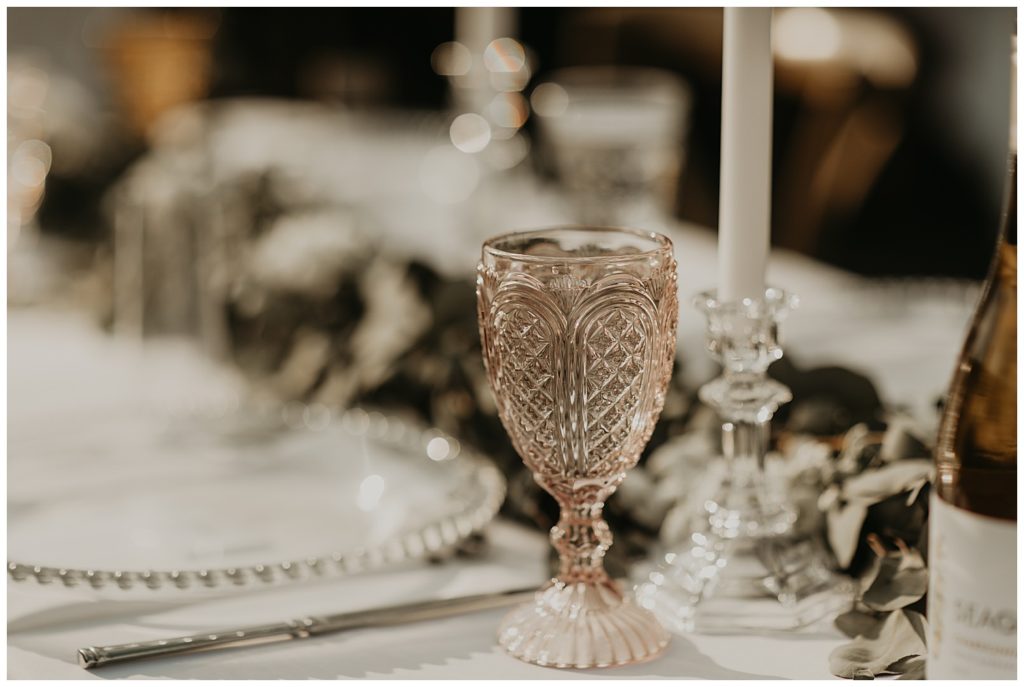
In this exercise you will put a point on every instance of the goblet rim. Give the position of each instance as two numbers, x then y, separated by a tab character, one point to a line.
662	247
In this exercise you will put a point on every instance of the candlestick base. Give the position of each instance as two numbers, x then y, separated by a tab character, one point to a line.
743	545
708	586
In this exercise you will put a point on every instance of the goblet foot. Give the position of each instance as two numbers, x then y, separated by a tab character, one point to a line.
581	625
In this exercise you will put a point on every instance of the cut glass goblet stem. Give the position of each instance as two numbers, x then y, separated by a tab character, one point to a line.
578	331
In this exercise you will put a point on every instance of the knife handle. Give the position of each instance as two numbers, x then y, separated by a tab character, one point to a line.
95	656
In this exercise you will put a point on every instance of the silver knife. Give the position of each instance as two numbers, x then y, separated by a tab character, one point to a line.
300	628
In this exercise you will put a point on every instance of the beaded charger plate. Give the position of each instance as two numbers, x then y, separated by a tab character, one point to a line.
261	497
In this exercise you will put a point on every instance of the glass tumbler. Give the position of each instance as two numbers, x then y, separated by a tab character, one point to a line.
616	136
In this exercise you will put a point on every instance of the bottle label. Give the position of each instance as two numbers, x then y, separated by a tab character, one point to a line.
972	595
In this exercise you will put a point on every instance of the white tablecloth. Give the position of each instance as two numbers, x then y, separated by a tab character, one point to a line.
60	366
46	626
62	370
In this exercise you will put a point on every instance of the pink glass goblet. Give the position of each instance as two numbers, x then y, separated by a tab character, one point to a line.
578	327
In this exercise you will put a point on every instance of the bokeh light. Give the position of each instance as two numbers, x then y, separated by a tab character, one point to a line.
438	449
451	59
470	133
504	55
508	110
549	100
30	163
807	33
370	491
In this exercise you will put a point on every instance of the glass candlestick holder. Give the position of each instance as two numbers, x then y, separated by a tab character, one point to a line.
743	337
743	544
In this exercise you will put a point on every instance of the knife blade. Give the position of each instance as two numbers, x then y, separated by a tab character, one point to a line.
300	628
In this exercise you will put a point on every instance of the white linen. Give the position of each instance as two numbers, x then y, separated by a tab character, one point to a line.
61	369
46	626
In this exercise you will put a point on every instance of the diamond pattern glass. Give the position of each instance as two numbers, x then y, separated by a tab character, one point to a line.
578	328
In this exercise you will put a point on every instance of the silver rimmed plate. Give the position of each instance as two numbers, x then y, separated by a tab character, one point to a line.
261	496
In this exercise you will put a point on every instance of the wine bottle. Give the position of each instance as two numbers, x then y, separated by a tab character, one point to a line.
972	547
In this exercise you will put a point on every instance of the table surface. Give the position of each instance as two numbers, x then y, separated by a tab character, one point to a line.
47	624
905	336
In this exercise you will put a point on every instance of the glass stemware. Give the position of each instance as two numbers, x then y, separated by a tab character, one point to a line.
578	327
616	136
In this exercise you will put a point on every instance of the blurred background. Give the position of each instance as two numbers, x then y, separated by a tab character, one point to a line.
301	193
888	122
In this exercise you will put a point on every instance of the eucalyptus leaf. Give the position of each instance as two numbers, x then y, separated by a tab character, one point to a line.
899	636
809	459
915	492
903	589
856	622
902	579
901	441
920	625
829	497
875	485
844	525
854	442
909	668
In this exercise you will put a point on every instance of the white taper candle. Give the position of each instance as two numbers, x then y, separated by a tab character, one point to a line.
476	27
744	209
